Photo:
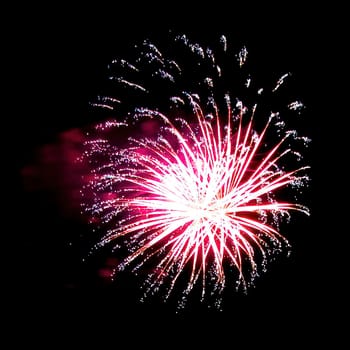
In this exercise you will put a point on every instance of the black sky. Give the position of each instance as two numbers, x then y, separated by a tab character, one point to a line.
66	55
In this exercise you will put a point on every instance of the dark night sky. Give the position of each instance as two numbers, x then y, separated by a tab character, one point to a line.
66	57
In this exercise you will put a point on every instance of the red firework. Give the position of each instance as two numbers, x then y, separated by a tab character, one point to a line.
191	197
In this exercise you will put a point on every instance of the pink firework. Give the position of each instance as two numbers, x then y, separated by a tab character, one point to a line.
190	196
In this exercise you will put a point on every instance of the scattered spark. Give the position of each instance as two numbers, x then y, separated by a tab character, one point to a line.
280	81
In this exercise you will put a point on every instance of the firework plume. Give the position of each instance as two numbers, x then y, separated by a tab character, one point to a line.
189	180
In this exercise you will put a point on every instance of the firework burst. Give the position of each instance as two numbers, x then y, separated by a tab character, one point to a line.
188	186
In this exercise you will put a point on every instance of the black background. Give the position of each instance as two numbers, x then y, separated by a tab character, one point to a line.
61	58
